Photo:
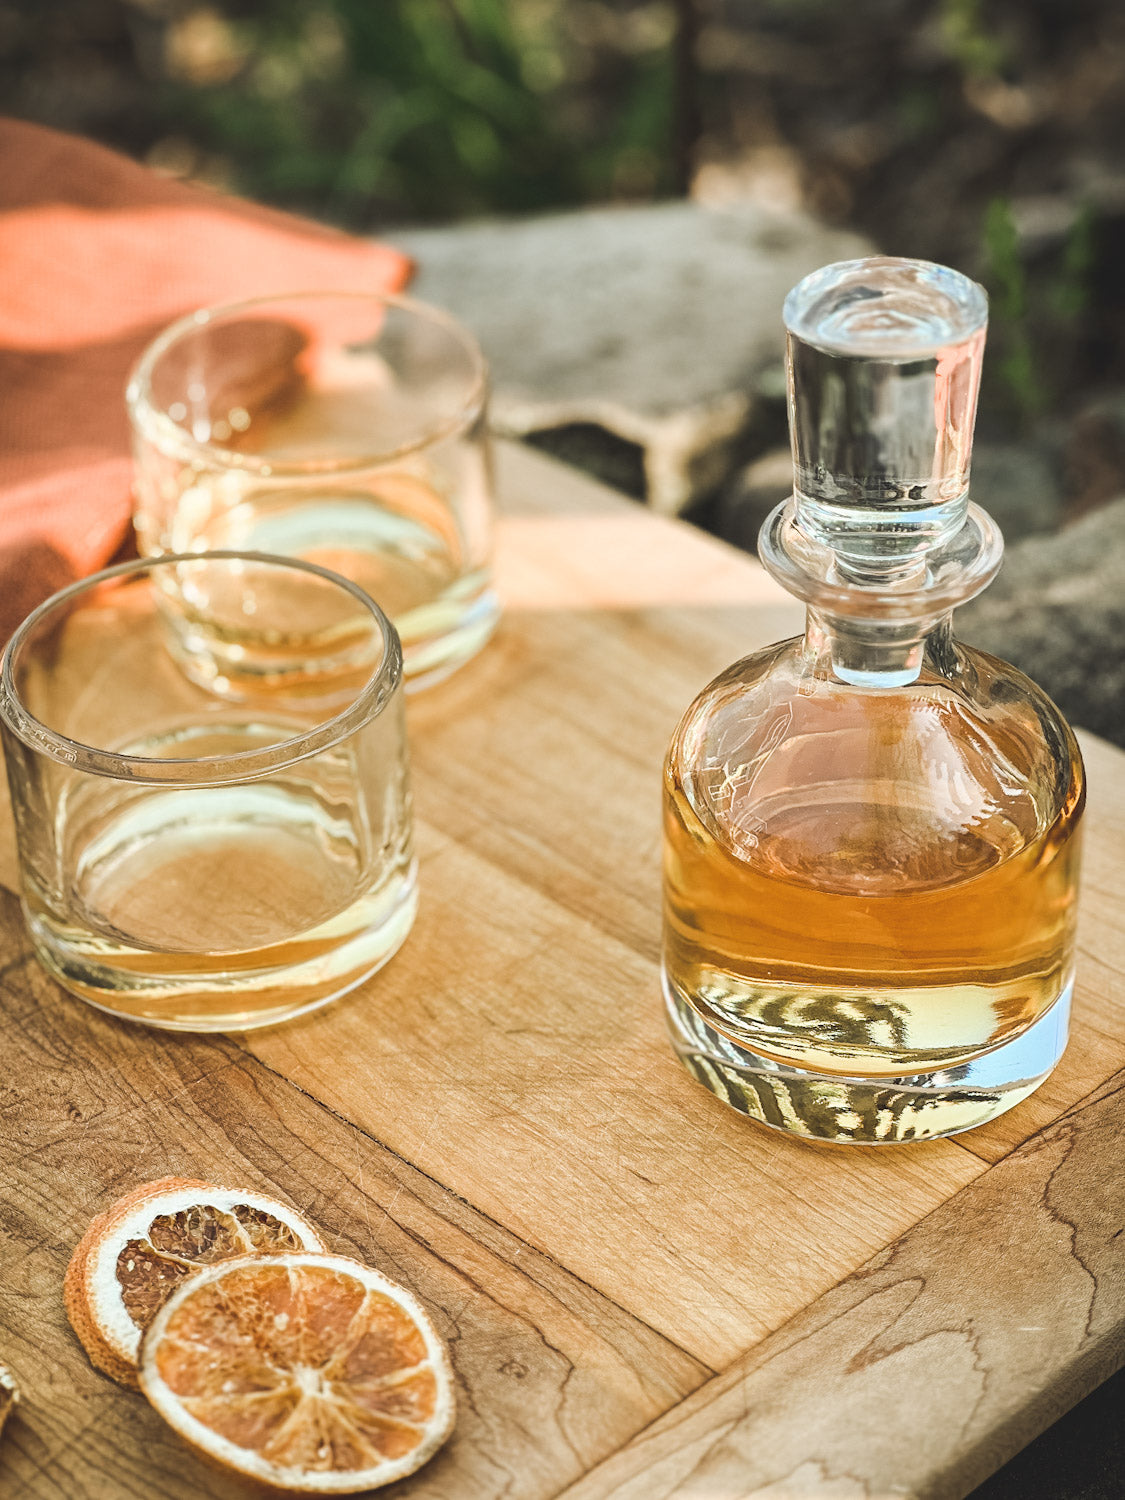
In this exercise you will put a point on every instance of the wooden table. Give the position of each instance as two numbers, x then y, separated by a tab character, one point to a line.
645	1296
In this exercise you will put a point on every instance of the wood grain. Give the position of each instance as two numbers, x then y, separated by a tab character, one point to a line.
929	1368
595	1231
537	793
550	1376
522	1026
520	1057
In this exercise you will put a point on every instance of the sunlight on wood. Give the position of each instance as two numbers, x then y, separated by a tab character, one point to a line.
624	561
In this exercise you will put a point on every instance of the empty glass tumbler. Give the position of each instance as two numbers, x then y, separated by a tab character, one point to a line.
208	771
347	429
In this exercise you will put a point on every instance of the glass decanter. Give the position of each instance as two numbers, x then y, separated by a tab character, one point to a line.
872	830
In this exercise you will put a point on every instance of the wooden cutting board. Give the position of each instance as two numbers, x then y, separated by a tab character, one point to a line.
646	1296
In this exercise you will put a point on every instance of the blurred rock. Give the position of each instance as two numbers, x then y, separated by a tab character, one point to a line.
596	451
747	499
1057	611
654	323
1019	485
1095	454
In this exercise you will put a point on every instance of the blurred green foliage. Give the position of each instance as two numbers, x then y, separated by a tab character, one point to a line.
1006	278
977	51
432	107
963	131
1034	309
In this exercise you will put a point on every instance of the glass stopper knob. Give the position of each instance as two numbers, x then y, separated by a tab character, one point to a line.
884	360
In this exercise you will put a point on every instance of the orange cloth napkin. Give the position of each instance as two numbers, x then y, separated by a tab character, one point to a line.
97	254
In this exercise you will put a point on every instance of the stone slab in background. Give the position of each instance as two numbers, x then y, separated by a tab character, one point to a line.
1095	452
659	324
1020	486
736	513
1057	611
644	344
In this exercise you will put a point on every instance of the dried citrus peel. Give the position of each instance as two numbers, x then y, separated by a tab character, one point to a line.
133	1257
311	1373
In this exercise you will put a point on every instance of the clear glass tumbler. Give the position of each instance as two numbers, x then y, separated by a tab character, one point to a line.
207	762
347	429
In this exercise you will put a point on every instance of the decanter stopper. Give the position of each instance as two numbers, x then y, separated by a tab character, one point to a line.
884	359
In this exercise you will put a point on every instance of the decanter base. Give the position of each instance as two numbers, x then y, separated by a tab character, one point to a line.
840	1110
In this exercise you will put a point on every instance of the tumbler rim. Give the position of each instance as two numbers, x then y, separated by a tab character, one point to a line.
166	432
243	765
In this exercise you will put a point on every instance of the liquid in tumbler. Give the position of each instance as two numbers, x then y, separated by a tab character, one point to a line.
346	429
872	831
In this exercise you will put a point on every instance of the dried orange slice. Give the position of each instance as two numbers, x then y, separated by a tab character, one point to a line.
133	1257
310	1373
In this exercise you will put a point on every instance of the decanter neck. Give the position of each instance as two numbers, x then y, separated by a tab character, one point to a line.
864	654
